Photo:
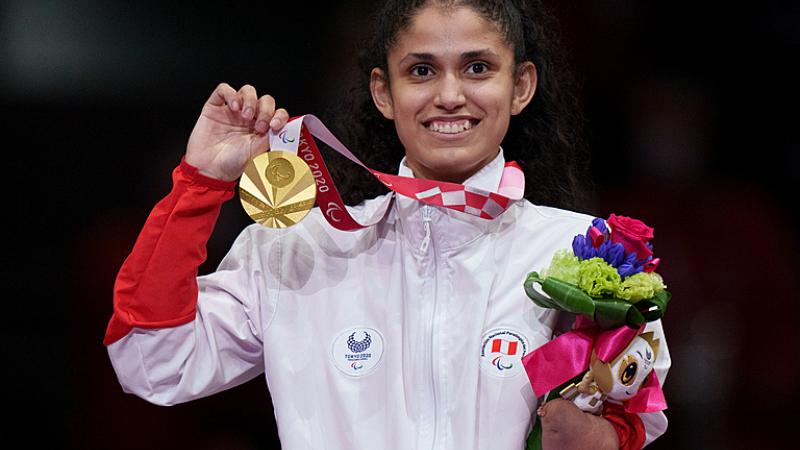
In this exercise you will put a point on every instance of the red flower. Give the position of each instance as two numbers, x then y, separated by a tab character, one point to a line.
633	234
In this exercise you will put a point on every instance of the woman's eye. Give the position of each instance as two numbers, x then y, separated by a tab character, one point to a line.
477	68
421	71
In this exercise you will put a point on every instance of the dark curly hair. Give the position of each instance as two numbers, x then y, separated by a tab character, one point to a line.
546	138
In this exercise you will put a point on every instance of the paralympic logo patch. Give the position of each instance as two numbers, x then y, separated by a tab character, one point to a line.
357	351
283	138
502	352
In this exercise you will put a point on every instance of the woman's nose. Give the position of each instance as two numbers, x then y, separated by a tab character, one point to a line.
451	94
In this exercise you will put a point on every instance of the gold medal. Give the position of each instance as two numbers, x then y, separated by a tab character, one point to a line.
277	189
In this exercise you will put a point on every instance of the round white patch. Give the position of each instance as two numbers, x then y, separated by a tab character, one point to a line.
357	351
502	350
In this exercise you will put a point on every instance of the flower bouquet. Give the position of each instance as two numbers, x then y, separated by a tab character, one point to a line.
605	364
609	277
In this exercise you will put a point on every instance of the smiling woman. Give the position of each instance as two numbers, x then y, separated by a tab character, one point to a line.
545	137
370	339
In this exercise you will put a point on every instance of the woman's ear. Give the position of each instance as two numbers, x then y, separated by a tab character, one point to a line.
524	86
381	96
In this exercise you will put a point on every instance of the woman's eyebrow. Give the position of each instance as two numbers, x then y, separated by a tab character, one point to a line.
478	54
472	54
427	57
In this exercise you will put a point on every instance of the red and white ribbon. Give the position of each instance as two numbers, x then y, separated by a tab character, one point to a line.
298	137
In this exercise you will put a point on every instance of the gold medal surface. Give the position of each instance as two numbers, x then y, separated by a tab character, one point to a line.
277	189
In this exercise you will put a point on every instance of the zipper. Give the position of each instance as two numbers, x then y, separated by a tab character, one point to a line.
427	218
426	225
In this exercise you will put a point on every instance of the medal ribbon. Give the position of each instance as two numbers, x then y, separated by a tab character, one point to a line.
298	137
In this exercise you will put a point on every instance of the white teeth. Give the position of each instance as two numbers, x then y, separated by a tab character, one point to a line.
450	127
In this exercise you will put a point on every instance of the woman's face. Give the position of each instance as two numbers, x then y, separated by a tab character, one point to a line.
451	91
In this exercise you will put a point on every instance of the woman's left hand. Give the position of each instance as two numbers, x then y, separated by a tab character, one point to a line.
565	426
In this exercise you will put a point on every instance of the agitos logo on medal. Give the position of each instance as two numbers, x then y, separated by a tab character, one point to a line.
283	137
502	352
356	351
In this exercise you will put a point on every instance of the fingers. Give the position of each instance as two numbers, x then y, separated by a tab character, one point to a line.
249	98
225	94
268	117
259	110
279	120
266	110
554	411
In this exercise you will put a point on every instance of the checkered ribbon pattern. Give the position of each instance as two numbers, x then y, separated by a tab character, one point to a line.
459	197
298	137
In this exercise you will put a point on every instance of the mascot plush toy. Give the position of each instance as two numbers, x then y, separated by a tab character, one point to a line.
618	380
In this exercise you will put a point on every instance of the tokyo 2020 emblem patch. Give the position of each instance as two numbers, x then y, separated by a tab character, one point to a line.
502	352
357	351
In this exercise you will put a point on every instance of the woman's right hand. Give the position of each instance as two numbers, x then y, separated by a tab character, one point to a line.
231	130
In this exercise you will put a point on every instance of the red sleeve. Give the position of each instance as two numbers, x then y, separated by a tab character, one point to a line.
629	427
157	284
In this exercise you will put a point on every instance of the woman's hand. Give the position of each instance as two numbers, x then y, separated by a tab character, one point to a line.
565	426
231	130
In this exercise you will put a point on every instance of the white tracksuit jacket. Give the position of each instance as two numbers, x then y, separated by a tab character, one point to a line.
384	338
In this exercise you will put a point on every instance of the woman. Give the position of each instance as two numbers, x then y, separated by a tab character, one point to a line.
407	334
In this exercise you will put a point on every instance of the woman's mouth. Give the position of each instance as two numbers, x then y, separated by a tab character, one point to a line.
451	126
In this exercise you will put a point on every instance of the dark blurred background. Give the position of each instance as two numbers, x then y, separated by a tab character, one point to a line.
692	114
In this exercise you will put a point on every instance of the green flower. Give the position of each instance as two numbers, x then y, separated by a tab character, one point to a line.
640	286
598	278
564	266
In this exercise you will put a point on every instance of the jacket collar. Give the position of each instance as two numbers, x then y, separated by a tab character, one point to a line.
449	229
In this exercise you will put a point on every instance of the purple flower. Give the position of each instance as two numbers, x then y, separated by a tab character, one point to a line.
627	270
613	254
632	265
628	267
582	247
600	224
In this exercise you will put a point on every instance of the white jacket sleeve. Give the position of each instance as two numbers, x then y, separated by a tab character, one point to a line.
219	349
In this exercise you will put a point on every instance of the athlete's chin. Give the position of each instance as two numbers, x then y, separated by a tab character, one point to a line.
449	162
